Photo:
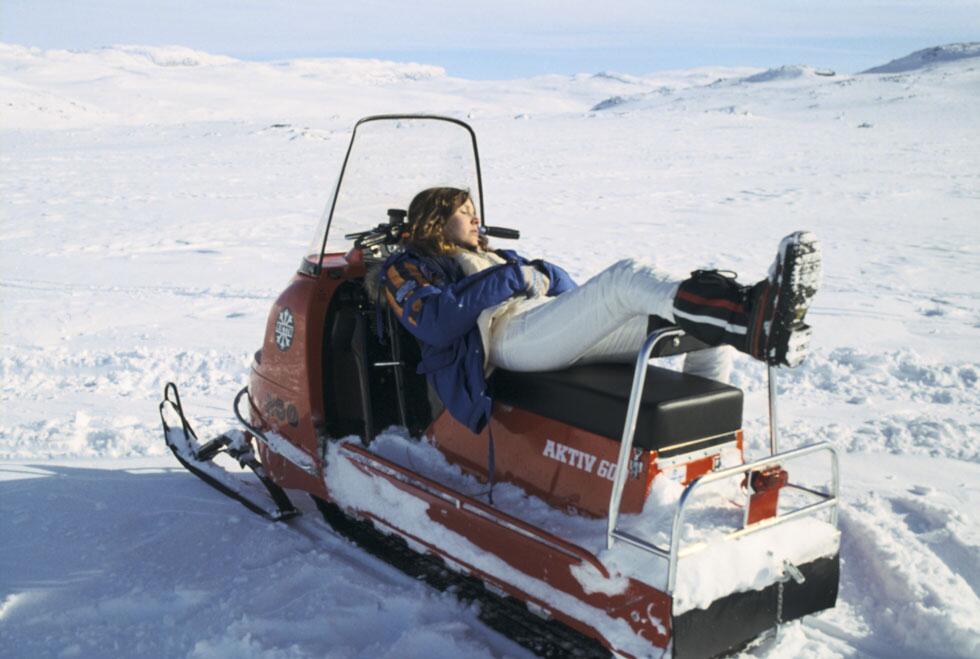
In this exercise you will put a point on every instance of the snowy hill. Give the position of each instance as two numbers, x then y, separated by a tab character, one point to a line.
818	93
790	72
156	200
929	57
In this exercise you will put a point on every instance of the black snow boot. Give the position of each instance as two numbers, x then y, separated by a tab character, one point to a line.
764	320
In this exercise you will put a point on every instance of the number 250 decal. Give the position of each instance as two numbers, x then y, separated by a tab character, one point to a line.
275	406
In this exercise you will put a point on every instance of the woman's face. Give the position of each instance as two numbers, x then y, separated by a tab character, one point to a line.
463	227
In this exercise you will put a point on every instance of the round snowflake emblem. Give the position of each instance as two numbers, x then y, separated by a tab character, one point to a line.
284	329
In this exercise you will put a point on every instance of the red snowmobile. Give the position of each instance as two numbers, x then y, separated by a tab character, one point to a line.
625	520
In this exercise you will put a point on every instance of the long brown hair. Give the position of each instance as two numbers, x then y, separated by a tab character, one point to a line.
428	215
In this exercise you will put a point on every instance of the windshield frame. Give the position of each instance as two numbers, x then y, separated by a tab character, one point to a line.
318	266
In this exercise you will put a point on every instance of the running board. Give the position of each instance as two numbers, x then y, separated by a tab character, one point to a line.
273	504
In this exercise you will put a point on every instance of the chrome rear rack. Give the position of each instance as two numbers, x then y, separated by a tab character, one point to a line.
827	500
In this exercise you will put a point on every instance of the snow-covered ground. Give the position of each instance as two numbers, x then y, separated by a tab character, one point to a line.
153	201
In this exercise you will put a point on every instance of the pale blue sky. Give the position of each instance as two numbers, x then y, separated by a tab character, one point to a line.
511	38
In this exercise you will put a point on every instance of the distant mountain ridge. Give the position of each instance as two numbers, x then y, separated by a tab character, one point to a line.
788	72
928	57
148	85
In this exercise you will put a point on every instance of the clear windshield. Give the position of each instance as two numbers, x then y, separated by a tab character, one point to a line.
390	161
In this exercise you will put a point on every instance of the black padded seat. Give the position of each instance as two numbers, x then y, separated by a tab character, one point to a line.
676	408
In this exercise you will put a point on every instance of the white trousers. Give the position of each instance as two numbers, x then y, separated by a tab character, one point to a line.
603	320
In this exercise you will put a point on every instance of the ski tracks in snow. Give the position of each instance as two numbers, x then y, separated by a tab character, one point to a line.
911	568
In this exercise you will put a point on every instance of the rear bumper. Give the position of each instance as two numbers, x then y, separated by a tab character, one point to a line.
732	621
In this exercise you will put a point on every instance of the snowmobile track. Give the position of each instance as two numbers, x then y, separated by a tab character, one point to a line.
504	614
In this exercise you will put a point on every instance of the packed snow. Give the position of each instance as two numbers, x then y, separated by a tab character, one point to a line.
155	200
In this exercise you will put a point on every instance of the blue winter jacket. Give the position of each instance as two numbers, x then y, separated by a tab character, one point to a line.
439	305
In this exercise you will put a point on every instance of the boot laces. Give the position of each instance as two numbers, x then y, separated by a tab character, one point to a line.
725	279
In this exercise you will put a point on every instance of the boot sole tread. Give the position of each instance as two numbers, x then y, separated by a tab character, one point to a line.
797	283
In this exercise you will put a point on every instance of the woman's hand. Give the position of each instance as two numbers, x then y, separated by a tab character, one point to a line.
537	282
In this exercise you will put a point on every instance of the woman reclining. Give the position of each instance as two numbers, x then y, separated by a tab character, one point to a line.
473	308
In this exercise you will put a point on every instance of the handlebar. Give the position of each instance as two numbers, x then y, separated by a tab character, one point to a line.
501	232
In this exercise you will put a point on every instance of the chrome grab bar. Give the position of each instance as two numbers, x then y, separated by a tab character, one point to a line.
831	498
629	429
773	423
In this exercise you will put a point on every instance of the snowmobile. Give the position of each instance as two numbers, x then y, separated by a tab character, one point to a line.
565	560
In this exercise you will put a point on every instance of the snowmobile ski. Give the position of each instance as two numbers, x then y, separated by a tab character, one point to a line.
199	460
